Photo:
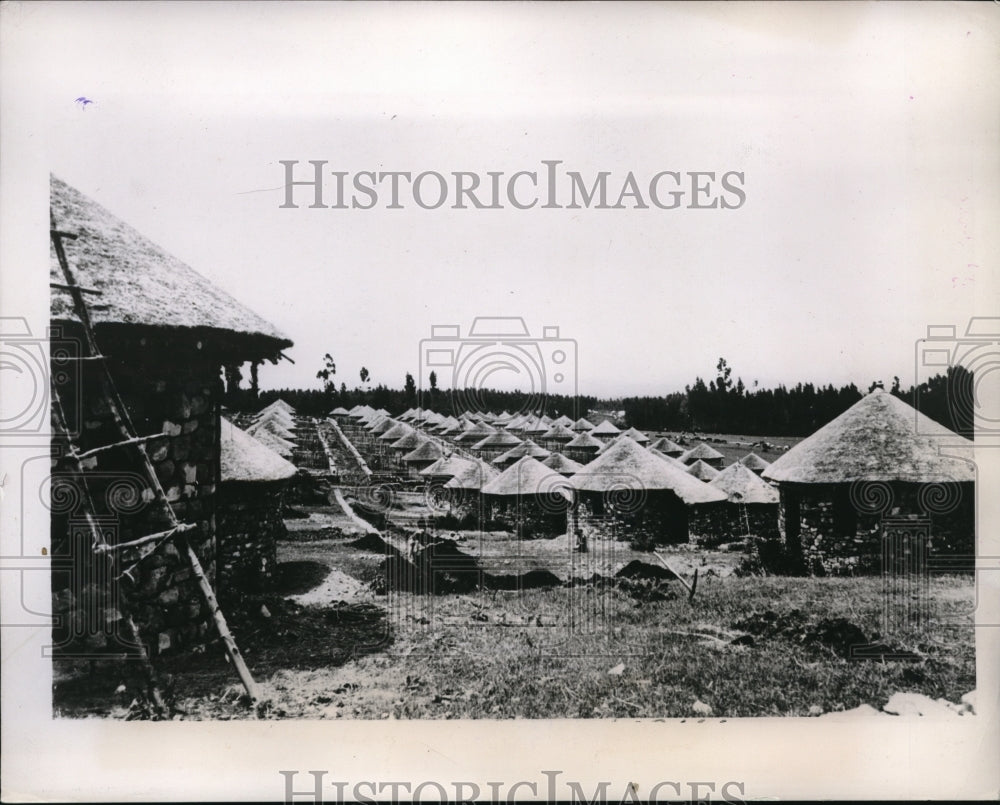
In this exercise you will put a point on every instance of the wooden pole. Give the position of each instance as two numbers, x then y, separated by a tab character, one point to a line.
689	587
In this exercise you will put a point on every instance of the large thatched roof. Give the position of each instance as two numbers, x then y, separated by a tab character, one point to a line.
563	420
527	476
428	451
525	448
280	446
558	433
879	438
701	452
582	424
562	465
637	435
410	441
754	462
702	471
474	476
397	431
666	446
143	285
447	466
384	426
606	428
243	458
584	441
742	485
628	465
669	459
500	439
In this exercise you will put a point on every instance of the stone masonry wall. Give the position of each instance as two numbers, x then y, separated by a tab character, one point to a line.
166	386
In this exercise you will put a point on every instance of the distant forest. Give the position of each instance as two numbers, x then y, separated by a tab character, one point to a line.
719	406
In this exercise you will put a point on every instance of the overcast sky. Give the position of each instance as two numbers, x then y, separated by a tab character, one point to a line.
866	135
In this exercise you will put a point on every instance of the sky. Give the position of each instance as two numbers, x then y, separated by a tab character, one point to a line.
865	133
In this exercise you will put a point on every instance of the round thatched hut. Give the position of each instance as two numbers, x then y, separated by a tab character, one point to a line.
668	447
530	497
248	515
703	452
754	463
752	503
628	493
879	461
702	471
583	447
525	448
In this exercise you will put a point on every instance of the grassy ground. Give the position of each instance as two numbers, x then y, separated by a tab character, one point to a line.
743	647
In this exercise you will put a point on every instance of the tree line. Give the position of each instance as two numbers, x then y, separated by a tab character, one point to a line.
721	405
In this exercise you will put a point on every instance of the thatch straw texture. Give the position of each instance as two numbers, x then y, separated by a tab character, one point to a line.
628	465
562	465
447	466
525	448
428	451
638	436
582	425
701	452
664	445
245	459
742	485
754	462
140	283
606	428
527	477
702	471
879	438
473	477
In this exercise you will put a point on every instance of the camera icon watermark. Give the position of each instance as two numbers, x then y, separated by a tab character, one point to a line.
499	351
968	366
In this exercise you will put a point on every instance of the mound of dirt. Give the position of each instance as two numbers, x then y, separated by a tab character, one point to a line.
637	569
295	578
839	635
532	580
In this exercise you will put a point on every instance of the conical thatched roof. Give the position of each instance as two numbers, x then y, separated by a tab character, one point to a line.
500	439
278	404
141	284
702	471
278	416
638	436
447	466
563	420
742	485
407	415
582	425
701	452
516	422
669	459
243	458
876	439
584	441
664	445
525	448
473	477
271	426
372	423
428	451
628	465
558	433
356	409
447	423
755	463
276	443
475	433
562	465
338	411
606	428
527	476
410	441
361	412
397	431
384	426
432	418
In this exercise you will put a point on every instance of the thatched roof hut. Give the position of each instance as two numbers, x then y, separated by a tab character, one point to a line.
668	447
564	466
637	436
627	462
384	426
879	438
447	467
411	441
143	287
282	447
397	431
742	485
646	497
606	431
424	455
582	425
475	433
563	420
339	412
703	452
473	477
557	436
528	477
244	459
702	471
525	448
879	458
669	459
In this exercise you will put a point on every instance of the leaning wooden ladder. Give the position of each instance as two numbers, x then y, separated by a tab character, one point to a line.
131	441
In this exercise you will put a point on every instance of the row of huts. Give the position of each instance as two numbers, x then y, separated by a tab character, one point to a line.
826	499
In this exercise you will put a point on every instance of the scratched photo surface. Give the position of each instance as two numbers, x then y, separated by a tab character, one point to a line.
503	364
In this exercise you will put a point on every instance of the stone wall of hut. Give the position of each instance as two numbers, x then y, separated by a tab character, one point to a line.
249	524
838	529
715	524
528	516
167	386
659	520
